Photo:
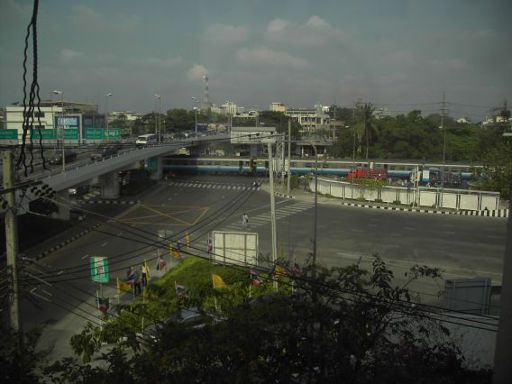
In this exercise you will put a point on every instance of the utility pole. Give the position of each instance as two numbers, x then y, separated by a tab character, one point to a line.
503	353
272	207
315	221
443	109
289	173
11	239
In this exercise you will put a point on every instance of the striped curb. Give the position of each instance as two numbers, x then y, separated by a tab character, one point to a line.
62	244
279	194
113	202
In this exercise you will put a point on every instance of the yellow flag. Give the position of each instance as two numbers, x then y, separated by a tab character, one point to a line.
217	281
278	271
175	253
123	287
187	239
146	269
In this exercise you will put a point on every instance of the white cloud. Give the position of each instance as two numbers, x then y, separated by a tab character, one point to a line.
196	72
315	32
92	21
225	34
156	62
268	57
70	56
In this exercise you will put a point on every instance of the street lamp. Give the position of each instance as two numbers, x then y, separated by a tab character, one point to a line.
106	112
61	93
195	113
157	121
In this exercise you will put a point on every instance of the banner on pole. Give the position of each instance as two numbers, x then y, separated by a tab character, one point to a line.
99	269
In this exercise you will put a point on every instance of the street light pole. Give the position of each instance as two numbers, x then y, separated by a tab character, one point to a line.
195	114
157	119
289	173
106	113
62	127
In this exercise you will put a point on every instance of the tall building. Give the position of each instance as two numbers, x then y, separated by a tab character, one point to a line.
310	119
277	107
50	118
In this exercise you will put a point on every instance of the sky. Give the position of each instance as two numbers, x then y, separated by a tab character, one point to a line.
397	54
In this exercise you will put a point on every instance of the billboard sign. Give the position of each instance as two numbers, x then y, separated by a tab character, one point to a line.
70	122
230	247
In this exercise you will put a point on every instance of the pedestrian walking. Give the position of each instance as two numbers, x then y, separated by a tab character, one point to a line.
137	283
144	275
245	220
210	247
161	264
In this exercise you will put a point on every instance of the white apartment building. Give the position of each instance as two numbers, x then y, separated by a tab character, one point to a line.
130	116
278	107
311	119
44	118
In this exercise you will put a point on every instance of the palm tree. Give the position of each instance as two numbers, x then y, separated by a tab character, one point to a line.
364	126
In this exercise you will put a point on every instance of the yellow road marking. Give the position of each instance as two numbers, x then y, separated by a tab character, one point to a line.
201	215
165	215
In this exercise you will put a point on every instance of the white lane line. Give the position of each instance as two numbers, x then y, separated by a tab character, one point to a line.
104	244
410	228
84	256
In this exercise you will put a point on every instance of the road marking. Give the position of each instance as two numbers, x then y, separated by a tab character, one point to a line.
105	243
410	228
84	256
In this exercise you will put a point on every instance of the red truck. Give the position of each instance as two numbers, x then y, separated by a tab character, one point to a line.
365	173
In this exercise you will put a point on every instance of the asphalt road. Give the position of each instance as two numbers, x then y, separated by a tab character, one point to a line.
461	246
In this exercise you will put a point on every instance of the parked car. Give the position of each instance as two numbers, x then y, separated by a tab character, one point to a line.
56	159
105	151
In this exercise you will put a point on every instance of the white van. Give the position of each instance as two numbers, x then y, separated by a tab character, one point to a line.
146	139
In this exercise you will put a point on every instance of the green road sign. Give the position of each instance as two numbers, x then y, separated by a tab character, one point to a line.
8	134
46	134
94	134
71	134
113	134
99	269
101	134
50	134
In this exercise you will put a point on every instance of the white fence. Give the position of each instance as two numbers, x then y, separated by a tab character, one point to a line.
458	199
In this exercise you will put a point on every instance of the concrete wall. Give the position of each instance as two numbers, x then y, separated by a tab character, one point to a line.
425	197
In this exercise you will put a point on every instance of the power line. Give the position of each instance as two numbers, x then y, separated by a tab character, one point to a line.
399	302
162	243
151	243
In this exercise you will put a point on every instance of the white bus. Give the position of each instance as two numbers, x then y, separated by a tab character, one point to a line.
146	139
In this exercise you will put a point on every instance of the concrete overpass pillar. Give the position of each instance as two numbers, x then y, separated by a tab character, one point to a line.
63	209
109	185
155	166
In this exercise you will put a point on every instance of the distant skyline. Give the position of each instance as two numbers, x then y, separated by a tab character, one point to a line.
398	54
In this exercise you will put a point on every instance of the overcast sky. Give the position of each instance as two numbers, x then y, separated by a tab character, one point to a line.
298	52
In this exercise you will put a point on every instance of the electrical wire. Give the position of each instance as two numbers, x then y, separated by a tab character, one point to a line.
151	243
422	307
233	205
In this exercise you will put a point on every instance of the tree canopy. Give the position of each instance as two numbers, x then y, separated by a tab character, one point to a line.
339	325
